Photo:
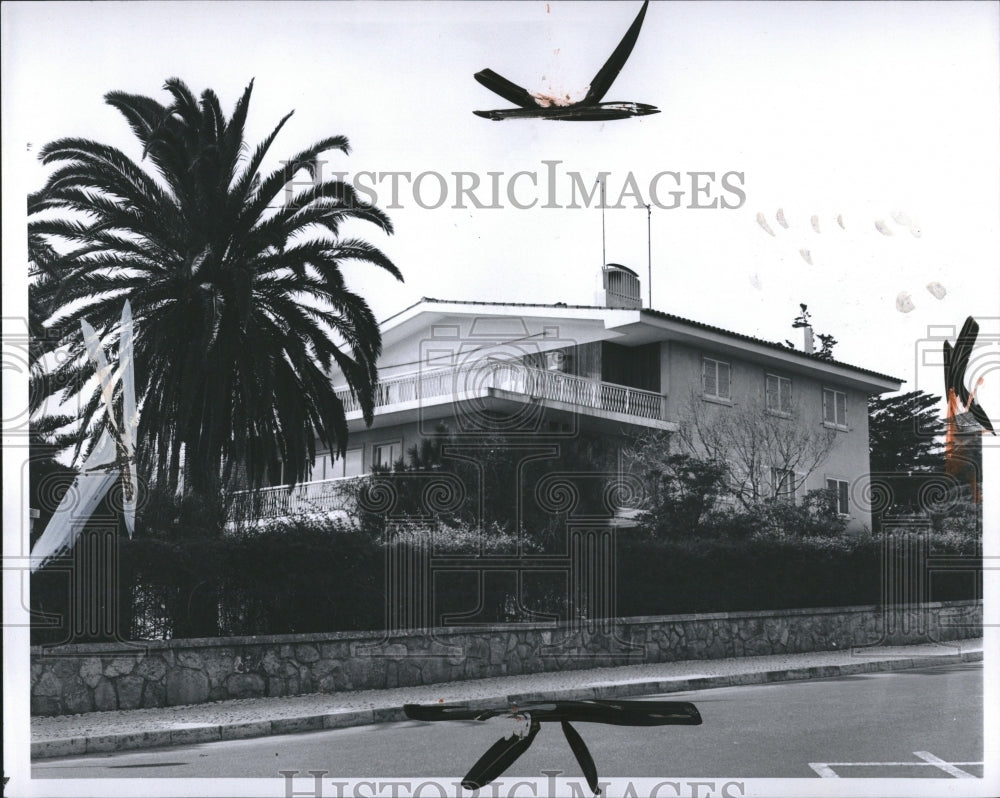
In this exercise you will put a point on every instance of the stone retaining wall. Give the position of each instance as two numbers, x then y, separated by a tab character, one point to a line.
92	677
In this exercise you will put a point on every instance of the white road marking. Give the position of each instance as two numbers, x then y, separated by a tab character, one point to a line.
823	770
947	767
826	769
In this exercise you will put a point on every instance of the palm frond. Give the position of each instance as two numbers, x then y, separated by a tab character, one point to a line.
240	304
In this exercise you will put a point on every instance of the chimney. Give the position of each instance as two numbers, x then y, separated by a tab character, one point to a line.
807	339
620	287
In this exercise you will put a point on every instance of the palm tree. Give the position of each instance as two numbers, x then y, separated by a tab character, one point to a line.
240	305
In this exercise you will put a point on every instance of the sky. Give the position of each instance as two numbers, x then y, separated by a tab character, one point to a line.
877	113
884	114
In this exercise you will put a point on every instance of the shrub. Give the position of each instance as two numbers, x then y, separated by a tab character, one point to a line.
815	515
312	576
451	482
960	516
681	492
447	539
769	569
296	576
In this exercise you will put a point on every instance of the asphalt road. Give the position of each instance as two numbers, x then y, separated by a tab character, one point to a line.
903	724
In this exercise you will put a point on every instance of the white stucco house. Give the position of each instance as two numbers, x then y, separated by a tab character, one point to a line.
611	368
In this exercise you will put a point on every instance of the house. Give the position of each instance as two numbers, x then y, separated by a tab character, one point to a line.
612	368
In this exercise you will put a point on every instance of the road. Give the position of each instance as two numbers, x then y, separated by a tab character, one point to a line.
904	724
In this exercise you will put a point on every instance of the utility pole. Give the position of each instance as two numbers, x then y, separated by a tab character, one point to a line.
649	253
604	246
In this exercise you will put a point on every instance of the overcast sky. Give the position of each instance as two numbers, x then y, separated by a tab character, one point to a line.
875	112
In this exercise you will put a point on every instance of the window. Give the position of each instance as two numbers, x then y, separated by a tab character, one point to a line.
840	489
715	382
336	468
354	462
778	395
559	360
325	467
783	484
386	454
834	408
735	481
634	366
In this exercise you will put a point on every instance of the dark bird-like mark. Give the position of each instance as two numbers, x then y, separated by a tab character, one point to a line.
590	108
500	756
956	361
961	404
505	751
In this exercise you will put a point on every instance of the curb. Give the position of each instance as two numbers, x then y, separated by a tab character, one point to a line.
79	746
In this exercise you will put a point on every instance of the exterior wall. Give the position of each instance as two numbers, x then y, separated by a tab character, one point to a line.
847	461
407	435
452	338
680	367
457	340
412	433
97	677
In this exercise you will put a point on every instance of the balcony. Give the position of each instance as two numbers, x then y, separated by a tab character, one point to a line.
513	382
508	383
326	497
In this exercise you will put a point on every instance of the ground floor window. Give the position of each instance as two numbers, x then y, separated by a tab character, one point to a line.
354	464
333	467
783	482
840	489
387	453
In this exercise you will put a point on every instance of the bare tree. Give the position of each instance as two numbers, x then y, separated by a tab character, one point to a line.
757	445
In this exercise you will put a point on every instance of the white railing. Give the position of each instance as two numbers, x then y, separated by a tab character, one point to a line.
474	380
307	498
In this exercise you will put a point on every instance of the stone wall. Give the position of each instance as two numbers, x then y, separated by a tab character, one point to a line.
79	678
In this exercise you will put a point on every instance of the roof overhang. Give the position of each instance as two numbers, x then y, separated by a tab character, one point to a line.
635	327
654	327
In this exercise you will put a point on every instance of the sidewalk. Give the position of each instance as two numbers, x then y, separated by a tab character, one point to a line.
96	732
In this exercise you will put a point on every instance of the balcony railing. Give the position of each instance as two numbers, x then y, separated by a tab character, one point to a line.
321	497
476	379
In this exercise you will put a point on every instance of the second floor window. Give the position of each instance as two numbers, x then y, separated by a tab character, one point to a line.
559	360
715	383
834	408
778	395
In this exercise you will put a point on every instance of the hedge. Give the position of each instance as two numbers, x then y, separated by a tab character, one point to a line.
317	577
